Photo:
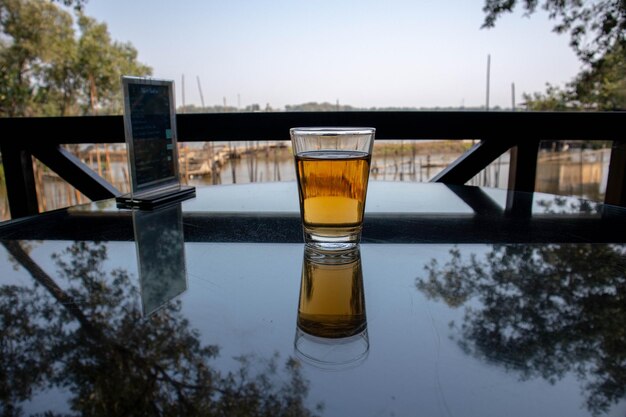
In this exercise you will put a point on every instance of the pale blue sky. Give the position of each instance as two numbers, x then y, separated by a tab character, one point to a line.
385	53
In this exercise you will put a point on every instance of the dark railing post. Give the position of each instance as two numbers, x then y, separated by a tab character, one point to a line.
20	180
523	166
522	177
616	182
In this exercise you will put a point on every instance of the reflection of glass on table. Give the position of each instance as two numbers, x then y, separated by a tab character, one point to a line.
332	324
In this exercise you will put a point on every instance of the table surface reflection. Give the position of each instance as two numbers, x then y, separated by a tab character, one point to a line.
477	302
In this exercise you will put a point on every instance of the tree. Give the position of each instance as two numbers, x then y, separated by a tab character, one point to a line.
101	61
597	32
36	35
47	70
77	4
595	26
554	99
601	86
314	106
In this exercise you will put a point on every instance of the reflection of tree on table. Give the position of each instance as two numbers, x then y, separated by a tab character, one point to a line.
546	310
563	205
91	339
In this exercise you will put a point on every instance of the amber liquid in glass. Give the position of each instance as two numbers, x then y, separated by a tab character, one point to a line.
332	187
332	302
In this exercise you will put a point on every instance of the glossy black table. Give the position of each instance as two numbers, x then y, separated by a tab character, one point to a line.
478	302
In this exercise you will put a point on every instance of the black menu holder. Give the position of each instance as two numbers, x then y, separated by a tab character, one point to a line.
150	130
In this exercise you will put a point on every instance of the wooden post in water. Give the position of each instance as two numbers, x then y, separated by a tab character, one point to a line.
127	177
385	163
98	159
42	203
414	153
200	90
182	90
68	195
232	165
256	163
421	173
107	159
488	80
513	96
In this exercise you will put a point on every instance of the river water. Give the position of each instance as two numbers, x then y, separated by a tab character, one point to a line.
577	172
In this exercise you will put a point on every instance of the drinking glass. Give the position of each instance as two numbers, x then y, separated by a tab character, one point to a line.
332	169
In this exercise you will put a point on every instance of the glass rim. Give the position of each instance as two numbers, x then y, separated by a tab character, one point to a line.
332	131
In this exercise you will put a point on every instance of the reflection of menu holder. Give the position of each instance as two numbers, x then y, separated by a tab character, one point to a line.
161	255
332	324
150	130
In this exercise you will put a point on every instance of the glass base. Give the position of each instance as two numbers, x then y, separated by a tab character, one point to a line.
320	253
332	240
331	247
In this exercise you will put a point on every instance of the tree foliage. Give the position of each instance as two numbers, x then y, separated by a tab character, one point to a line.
597	31
595	27
77	4
554	99
48	69
601	86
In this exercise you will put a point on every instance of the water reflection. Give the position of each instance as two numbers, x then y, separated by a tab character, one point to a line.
81	332
332	324
160	254
542	311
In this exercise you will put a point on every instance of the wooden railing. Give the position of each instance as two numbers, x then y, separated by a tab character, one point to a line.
496	133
